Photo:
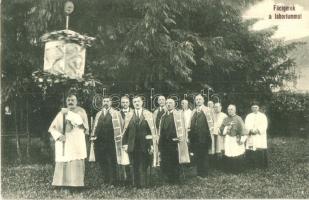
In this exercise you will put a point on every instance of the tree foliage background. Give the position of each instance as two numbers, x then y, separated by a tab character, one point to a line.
142	44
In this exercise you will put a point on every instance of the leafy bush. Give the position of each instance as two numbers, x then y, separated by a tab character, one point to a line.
289	112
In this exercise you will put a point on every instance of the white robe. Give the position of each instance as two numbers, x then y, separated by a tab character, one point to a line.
258	122
187	115
75	143
232	147
218	145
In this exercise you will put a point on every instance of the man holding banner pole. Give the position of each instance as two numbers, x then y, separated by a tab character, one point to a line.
70	145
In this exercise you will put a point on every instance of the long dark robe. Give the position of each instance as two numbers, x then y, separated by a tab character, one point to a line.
105	151
168	149
200	140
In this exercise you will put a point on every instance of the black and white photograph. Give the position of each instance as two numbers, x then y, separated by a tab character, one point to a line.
154	99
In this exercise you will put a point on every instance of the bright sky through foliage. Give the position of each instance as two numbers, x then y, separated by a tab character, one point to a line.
288	29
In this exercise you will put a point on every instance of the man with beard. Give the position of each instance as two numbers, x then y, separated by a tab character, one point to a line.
139	131
107	140
173	142
233	128
125	106
68	130
199	135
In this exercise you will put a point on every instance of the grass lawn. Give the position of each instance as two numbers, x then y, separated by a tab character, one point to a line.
286	177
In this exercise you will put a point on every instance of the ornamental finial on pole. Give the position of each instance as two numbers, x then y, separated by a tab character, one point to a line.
68	9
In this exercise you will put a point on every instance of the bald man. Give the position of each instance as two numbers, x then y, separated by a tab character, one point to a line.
233	128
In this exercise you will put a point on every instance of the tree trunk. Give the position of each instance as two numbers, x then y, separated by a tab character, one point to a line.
17	134
27	129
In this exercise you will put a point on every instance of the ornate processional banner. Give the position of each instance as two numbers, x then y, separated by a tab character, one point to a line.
62	57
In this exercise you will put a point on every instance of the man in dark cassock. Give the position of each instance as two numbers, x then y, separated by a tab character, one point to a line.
106	126
199	135
137	140
168	144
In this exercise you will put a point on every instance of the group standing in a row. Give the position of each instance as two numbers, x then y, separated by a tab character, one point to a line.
129	142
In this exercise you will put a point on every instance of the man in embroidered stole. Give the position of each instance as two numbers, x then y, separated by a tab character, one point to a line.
139	131
256	145
199	135
173	142
125	109
233	128
68	130
157	114
106	136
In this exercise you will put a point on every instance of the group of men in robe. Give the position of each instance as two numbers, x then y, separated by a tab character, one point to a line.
130	142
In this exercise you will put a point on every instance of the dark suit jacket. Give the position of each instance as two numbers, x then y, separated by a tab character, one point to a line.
167	133
199	132
135	134
123	114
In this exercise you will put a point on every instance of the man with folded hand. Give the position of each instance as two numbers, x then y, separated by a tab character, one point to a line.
256	145
68	130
